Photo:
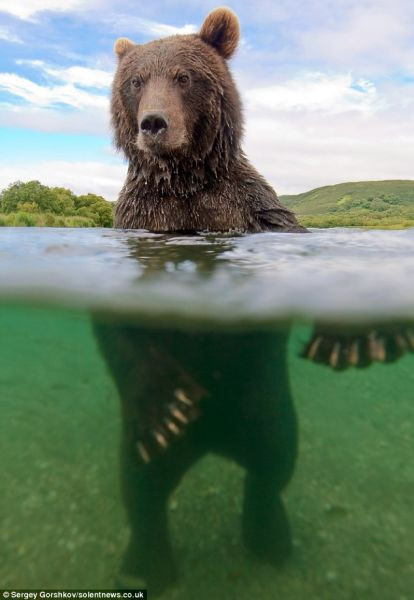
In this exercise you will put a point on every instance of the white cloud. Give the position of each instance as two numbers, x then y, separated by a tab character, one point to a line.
42	110
9	36
90	121
81	177
369	36
317	92
26	9
44	96
160	29
148	27
103	12
320	129
301	150
83	76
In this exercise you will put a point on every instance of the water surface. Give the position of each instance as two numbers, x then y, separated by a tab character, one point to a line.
350	500
339	273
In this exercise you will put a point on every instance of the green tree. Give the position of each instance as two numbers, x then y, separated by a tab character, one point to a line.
19	193
36	204
96	208
64	203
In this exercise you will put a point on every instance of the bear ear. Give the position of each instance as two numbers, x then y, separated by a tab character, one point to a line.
122	45
221	30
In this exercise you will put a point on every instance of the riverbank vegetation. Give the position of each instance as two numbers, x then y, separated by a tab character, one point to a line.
373	204
32	204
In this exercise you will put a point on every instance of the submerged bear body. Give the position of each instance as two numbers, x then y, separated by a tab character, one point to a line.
186	394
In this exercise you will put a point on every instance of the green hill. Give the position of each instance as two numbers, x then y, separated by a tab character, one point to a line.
382	204
33	204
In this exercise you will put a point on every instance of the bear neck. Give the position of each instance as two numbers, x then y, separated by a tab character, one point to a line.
181	176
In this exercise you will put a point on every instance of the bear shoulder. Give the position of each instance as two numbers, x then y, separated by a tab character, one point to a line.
263	207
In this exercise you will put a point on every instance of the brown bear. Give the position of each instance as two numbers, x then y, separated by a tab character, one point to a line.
177	117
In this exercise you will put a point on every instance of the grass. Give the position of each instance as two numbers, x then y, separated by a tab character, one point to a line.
26	219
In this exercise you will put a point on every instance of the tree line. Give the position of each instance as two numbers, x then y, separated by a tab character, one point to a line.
37	205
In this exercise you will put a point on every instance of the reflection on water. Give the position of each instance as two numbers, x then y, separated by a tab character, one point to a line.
199	388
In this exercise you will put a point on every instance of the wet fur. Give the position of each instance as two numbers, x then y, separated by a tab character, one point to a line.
209	184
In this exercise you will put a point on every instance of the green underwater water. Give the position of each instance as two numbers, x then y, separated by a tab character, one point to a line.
350	501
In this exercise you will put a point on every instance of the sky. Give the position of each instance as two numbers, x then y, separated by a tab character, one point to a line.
327	87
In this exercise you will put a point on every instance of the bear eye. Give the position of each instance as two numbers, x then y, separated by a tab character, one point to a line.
136	82
183	78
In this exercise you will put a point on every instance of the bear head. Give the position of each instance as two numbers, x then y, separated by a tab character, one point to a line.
174	99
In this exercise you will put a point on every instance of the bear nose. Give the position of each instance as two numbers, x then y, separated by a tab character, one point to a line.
153	123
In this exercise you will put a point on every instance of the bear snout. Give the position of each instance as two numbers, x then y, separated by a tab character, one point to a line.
154	123
161	132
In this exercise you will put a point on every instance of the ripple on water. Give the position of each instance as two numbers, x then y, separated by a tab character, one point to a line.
330	274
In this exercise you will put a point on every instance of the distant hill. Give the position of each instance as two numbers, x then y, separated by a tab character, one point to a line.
387	204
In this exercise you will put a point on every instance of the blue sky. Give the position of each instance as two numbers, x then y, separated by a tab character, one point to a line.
327	86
